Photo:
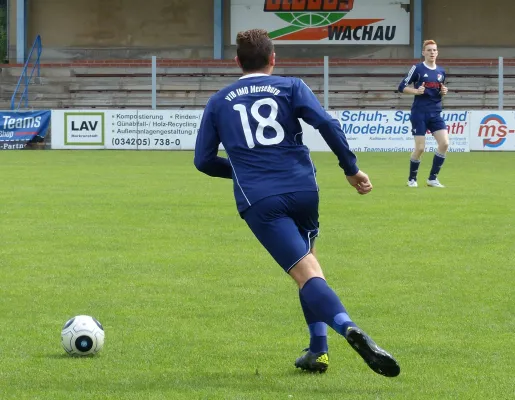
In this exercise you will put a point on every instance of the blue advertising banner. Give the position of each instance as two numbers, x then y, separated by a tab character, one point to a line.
17	129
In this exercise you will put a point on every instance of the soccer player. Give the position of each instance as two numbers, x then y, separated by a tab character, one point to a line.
428	87
275	187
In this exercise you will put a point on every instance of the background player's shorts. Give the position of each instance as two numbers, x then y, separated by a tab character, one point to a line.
286	225
422	122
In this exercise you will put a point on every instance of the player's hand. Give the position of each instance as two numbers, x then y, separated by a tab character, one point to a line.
421	89
360	182
443	89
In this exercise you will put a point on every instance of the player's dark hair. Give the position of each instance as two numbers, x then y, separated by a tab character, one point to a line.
254	48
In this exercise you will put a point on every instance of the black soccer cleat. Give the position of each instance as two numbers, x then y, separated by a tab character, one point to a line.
313	362
377	359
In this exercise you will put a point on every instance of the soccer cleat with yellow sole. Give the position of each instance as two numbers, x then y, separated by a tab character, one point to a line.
313	362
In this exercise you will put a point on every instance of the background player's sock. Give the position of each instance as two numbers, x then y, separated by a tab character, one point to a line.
317	329
413	169
326	305
438	161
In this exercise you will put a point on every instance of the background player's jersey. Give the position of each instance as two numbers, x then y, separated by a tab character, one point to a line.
256	120
431	100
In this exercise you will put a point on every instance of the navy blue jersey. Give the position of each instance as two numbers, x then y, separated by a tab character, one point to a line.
431	100
257	120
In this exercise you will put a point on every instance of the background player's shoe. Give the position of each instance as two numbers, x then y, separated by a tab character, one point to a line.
313	362
434	183
377	359
412	183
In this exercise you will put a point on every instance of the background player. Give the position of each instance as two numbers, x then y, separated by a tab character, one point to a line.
428	81
275	187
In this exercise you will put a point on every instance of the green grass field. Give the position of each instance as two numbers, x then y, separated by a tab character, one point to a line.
194	308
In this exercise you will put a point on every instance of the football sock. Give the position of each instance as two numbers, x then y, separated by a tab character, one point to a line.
326	305
438	161
413	169
317	329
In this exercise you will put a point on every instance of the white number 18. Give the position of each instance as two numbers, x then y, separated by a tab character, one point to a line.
270	121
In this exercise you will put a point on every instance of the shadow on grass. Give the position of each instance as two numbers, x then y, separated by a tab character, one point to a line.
64	356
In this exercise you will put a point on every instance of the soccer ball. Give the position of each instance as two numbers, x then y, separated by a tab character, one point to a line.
82	335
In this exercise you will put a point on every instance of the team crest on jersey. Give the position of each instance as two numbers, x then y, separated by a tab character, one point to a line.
439	77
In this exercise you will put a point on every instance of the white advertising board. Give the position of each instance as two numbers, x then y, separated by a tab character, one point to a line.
125	129
366	131
389	131
492	130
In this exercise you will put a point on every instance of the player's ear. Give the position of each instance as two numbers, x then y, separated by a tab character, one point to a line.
271	60
237	61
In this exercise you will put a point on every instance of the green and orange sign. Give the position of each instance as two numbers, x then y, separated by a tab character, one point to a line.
324	21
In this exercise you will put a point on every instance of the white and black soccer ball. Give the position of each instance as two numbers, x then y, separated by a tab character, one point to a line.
82	335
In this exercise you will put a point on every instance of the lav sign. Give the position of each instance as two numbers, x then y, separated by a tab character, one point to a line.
89	126
84	128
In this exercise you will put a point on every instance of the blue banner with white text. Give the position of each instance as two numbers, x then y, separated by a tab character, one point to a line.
19	130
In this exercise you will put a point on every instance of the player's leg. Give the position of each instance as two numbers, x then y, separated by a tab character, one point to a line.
272	223
289	242
439	129
304	212
323	305
316	357
313	249
442	139
415	159
317	328
418	130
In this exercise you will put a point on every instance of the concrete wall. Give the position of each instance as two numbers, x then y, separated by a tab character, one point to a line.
470	22
120	28
100	29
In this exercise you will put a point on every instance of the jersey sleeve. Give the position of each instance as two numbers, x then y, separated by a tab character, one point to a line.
408	79
206	158
307	107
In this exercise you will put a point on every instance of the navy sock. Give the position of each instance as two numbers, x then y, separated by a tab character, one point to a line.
413	169
317	329
325	305
438	161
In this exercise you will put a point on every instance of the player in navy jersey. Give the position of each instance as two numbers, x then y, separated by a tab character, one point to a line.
428	87
257	120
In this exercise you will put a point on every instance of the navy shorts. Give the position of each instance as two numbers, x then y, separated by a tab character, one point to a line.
286	225
423	122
